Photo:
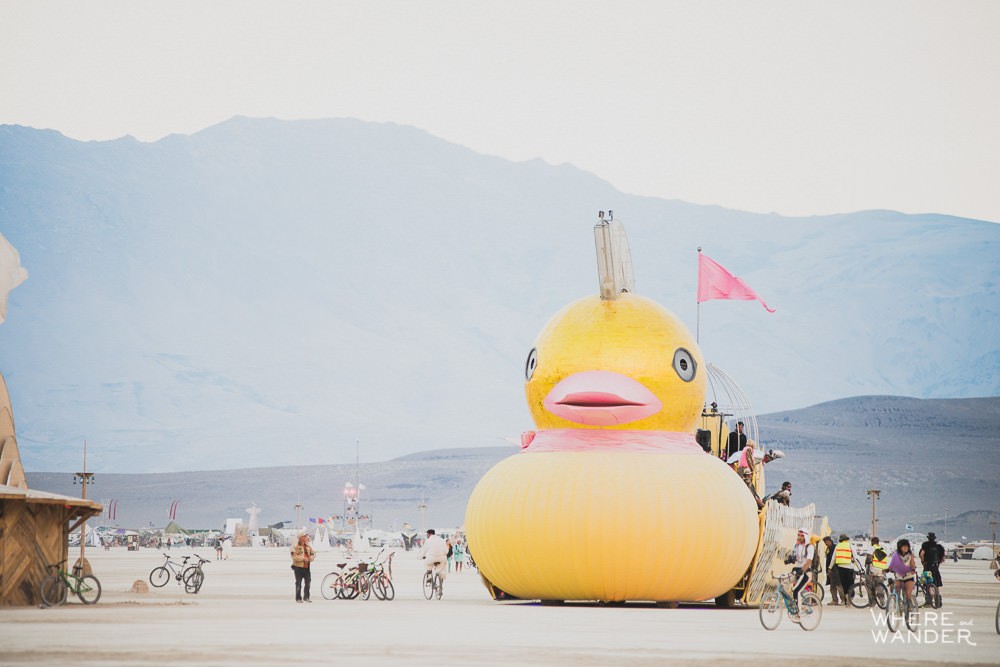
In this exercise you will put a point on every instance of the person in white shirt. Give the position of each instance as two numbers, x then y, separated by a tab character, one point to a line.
804	553
435	553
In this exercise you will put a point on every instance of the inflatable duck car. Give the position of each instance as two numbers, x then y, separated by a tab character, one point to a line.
611	498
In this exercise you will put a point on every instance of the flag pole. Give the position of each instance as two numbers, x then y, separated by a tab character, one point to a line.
697	330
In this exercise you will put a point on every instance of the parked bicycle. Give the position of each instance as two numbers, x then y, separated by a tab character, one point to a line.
433	582
194	576
159	576
347	584
380	577
807	613
56	586
868	590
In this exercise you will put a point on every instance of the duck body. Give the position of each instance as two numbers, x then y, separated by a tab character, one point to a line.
611	498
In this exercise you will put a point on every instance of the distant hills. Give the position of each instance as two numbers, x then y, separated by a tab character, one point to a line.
925	456
273	292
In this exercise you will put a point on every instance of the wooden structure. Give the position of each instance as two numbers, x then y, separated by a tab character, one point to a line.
34	525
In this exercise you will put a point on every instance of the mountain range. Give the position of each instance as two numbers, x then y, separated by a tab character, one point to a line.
933	461
272	293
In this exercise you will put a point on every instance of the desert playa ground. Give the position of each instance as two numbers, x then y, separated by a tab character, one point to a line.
245	615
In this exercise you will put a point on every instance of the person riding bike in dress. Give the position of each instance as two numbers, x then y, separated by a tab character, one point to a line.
904	566
435	552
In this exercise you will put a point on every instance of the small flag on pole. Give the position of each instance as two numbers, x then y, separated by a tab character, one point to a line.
715	282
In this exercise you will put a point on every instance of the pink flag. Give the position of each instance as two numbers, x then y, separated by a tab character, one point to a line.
714	282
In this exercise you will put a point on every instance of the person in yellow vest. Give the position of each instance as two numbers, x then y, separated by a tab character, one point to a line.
832	578
843	560
878	560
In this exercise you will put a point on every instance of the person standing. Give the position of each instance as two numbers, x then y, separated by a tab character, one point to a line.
302	556
459	556
737	440
878	560
931	555
832	578
843	560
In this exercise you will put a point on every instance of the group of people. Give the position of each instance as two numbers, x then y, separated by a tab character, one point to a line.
841	564
740	452
437	552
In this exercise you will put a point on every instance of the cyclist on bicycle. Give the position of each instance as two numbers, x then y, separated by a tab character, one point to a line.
904	566
803	555
435	552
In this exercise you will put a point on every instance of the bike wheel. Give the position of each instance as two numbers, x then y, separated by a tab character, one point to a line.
365	586
810	611
53	590
438	586
349	588
378	589
998	618
820	592
859	596
88	589
428	585
159	576
193	581
387	587
912	615
892	612
770	611
934	596
328	587
881	597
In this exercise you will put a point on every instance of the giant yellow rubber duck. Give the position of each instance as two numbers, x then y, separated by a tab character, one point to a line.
611	498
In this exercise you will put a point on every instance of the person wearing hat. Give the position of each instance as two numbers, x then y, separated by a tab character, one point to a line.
302	556
804	554
843	560
832	578
931	554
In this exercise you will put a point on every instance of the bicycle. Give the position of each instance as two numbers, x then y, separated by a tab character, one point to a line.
347	585
56	587
433	583
870	590
807	613
899	602
927	593
380	580
194	576
159	576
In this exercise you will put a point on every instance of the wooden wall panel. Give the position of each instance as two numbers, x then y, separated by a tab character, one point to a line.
33	536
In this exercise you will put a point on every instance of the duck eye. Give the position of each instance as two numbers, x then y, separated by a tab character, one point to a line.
529	366
684	364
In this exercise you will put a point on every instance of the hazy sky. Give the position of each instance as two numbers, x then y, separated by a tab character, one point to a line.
796	107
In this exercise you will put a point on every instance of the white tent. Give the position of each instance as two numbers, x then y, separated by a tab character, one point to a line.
983	553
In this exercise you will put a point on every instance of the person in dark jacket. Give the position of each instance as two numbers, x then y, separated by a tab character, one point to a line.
832	579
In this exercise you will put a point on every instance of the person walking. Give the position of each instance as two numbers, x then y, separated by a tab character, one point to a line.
843	560
459	555
302	556
832	578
